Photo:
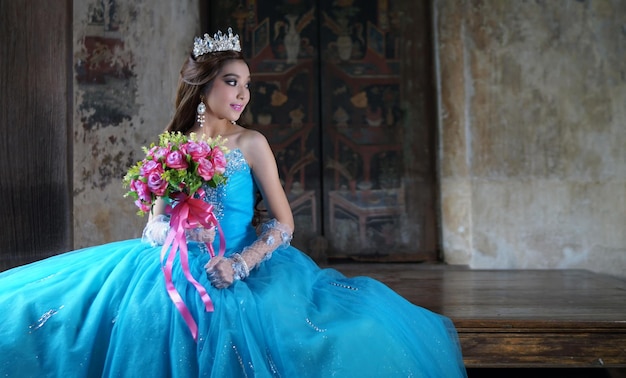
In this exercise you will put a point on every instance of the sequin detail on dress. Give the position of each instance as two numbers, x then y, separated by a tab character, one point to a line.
43	319
344	286
318	329
216	196
240	359
272	364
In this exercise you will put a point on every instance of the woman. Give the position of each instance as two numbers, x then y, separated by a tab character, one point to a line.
105	311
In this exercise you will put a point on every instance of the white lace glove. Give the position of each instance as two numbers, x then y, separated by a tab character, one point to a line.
224	271
156	231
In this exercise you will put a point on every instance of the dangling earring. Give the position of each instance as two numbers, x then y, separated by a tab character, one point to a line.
201	110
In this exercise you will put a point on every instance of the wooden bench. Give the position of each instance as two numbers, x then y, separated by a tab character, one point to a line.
518	318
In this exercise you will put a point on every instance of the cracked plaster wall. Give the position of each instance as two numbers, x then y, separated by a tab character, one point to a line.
532	101
532	134
127	55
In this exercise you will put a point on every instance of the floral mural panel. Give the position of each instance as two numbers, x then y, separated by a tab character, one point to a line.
279	40
330	93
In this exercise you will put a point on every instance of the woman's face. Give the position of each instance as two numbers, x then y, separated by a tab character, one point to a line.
230	91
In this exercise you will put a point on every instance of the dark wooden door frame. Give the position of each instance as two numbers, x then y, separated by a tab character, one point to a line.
35	130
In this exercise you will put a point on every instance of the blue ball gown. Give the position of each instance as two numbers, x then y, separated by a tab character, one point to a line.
104	311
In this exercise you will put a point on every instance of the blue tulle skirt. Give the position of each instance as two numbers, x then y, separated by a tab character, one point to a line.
104	311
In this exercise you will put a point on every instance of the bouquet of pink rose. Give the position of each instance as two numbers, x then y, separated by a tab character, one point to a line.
175	170
177	164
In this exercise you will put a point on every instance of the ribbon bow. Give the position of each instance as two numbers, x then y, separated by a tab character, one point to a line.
188	213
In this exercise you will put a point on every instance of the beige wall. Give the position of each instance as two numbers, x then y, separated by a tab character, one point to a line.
532	133
124	108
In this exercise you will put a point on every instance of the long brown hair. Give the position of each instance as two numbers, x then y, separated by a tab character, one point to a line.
196	78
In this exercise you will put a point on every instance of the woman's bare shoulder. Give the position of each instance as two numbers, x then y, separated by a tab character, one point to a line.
254	146
251	139
238	136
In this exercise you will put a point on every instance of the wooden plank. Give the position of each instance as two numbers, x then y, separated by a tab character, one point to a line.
571	348
518	318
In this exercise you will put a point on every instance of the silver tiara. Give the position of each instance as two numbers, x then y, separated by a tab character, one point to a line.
219	42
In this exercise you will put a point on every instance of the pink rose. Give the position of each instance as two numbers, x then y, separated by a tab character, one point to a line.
176	160
156	182
142	190
195	150
218	159
148	166
158	153
145	207
205	169
151	151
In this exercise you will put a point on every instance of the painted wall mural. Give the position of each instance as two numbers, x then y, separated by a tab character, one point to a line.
360	113
123	95
327	94
105	78
104	69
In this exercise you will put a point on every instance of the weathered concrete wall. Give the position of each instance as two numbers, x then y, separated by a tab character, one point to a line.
532	124
127	56
532	133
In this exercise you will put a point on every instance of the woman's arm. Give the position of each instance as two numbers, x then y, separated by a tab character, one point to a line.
157	209
263	165
274	234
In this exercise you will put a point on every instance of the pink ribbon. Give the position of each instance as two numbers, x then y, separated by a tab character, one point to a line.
189	213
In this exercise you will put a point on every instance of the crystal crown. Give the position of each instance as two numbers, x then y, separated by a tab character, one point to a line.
219	42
